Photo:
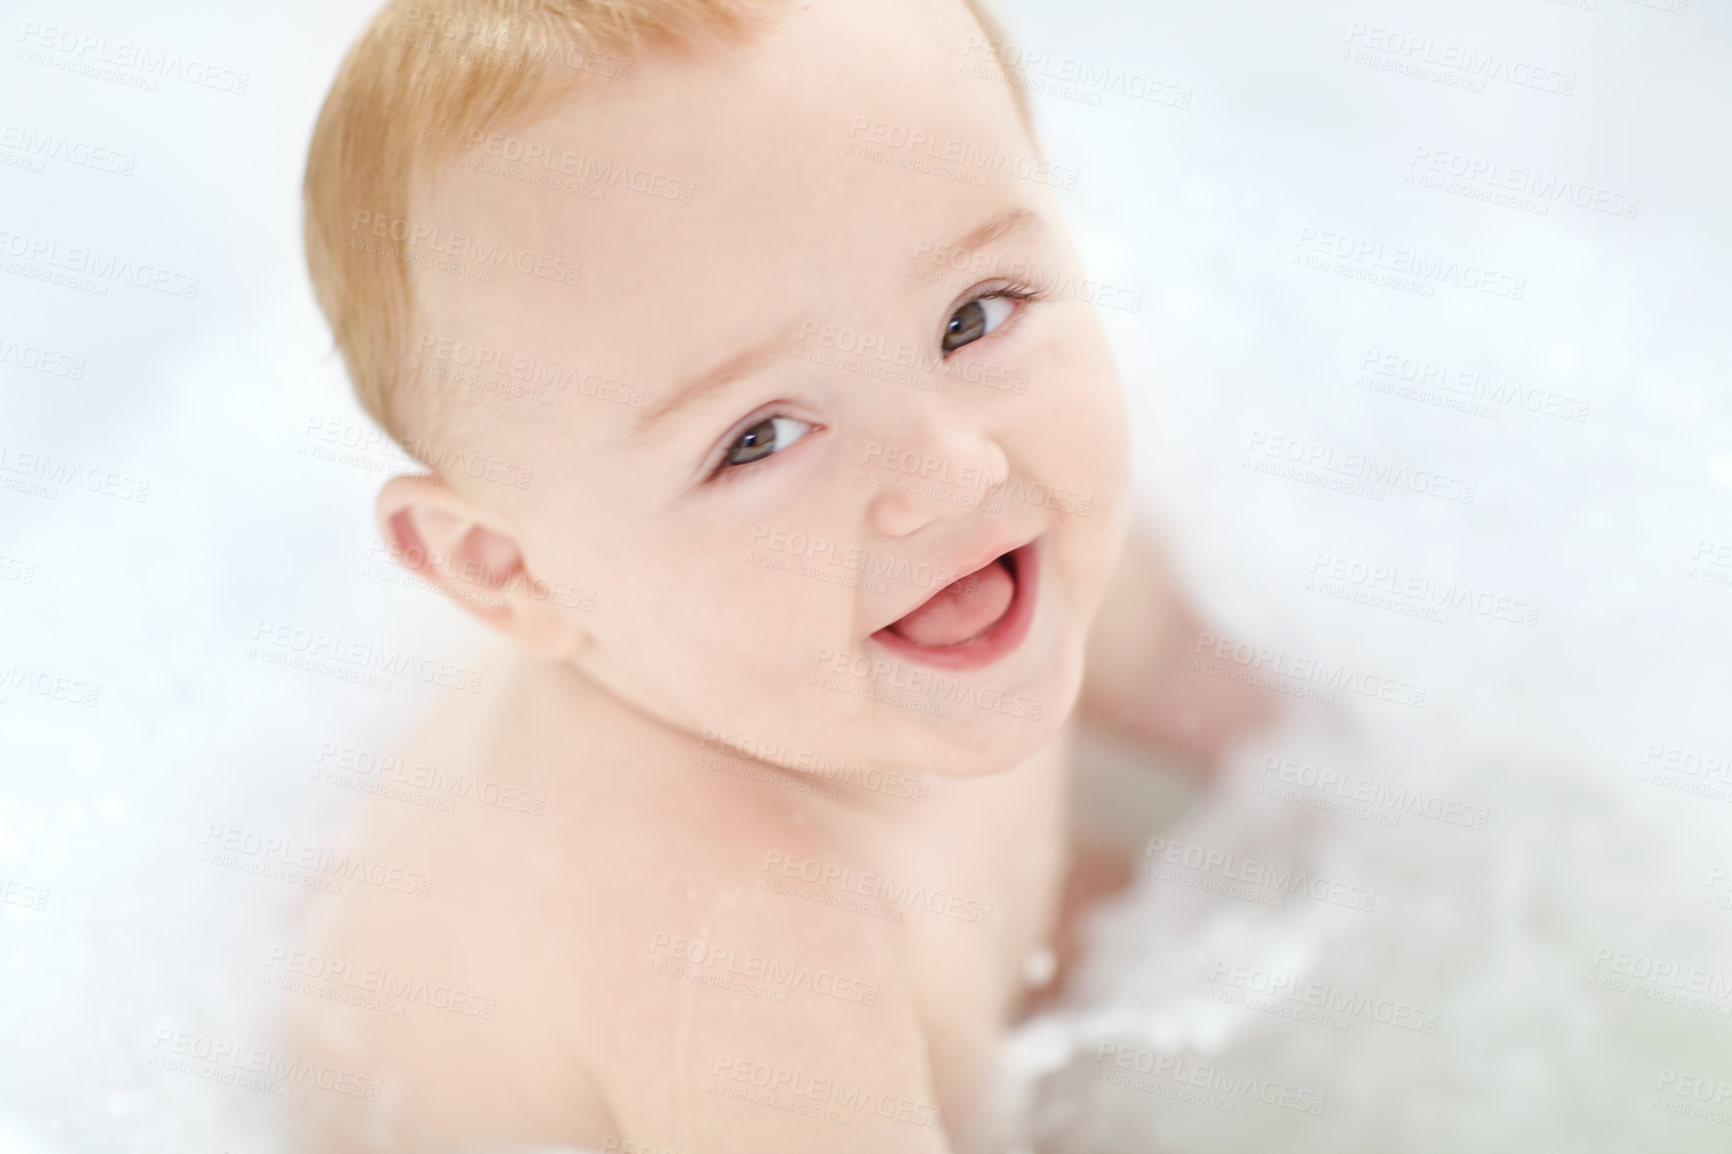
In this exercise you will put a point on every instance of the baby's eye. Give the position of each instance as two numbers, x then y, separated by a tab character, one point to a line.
770	435
975	319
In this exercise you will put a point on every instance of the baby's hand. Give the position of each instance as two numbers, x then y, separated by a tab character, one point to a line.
1140	680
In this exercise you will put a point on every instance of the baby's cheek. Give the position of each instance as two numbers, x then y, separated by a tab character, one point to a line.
766	611
1090	471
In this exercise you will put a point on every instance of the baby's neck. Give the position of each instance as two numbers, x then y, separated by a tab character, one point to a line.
865	804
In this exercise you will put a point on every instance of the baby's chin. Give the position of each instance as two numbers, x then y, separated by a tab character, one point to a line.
979	734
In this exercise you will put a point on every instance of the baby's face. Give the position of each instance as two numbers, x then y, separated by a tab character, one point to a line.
867	368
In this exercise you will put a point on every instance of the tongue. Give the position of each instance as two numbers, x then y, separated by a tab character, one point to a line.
961	609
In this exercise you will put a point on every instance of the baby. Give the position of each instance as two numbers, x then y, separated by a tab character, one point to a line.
769	417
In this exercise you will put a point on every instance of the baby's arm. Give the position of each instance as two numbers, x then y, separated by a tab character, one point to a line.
1140	680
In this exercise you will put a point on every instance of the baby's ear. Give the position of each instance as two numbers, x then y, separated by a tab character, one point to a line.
436	533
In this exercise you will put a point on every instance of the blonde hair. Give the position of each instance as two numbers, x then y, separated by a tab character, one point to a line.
420	83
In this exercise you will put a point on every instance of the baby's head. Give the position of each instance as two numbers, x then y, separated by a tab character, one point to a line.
734	331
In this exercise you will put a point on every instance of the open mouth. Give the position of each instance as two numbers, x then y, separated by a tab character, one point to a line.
973	621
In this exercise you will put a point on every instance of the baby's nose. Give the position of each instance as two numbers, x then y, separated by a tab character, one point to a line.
940	479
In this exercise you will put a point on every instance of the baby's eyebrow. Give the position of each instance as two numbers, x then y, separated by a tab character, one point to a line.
743	363
1018	219
761	354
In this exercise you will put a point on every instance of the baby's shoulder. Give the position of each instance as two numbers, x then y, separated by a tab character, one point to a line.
629	926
